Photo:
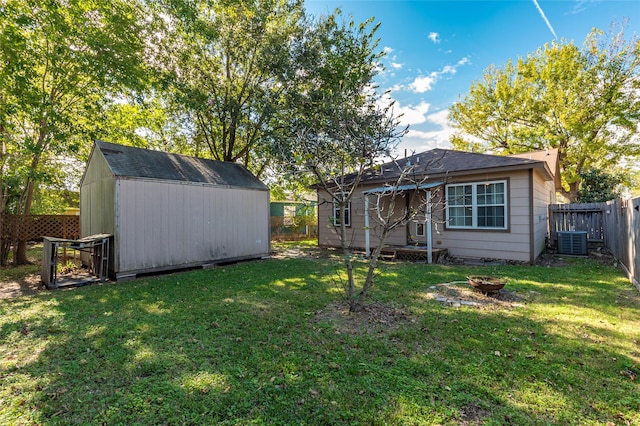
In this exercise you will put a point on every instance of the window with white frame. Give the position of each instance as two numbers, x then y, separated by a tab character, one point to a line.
336	214
478	205
419	229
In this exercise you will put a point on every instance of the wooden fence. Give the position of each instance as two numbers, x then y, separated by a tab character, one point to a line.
614	224
578	217
622	228
33	227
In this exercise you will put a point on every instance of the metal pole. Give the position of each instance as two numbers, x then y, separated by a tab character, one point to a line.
367	243
428	226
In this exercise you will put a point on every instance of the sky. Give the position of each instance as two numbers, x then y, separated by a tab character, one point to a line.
435	50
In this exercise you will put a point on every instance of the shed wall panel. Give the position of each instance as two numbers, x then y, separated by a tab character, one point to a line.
166	224
97	169
97	200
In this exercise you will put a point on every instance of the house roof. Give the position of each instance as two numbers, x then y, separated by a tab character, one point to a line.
437	163
132	162
549	156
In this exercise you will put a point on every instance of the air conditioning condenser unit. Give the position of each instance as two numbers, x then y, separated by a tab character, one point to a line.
572	242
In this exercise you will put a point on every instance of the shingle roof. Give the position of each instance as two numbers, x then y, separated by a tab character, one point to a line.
438	162
128	161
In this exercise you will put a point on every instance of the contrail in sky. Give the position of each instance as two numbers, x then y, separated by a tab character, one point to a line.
535	2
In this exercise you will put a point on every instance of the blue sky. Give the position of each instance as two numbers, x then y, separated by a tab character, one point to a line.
437	49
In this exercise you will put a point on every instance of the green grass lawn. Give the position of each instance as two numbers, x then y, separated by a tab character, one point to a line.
262	343
34	255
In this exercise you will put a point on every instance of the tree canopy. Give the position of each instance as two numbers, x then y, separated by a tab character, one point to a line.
598	186
223	66
582	101
59	63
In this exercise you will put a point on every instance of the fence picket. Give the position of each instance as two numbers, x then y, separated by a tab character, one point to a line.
587	217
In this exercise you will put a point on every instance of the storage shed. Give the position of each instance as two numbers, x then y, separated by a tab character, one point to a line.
169	211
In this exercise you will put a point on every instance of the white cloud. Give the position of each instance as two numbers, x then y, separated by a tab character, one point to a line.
423	140
544	17
392	59
396	88
441	118
423	84
463	61
581	6
412	114
434	130
408	115
434	37
419	141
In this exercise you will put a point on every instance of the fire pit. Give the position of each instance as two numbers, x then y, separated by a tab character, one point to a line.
486	284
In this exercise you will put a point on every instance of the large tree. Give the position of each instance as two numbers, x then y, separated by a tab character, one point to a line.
60	62
224	63
582	101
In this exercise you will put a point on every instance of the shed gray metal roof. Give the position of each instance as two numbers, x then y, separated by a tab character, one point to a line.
132	162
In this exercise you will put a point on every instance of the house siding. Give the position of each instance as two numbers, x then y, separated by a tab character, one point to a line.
511	244
328	235
543	195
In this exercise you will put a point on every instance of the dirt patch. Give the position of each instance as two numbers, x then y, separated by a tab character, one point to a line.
301	252
473	415
375	318
460	293
601	255
30	284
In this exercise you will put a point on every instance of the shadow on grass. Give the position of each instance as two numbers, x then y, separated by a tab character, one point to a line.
240	344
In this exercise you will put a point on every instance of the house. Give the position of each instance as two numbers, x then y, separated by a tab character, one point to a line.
293	219
480	206
168	211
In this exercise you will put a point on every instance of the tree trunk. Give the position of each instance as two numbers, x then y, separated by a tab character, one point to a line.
20	250
572	193
357	303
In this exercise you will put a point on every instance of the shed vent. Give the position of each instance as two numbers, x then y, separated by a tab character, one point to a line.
572	242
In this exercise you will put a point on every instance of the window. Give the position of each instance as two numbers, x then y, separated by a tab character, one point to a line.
419	229
336	214
477	205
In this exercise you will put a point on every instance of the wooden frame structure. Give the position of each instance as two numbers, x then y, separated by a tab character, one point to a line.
97	246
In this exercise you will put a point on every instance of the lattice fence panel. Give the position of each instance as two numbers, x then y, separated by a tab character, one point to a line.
34	227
